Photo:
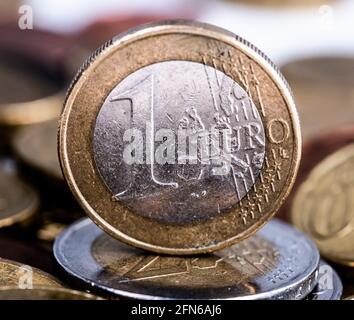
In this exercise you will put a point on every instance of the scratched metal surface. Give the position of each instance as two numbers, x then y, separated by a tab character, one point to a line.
168	181
279	262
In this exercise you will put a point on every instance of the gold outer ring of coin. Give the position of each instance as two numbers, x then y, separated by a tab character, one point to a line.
23	214
11	272
45	293
155	43
310	205
29	112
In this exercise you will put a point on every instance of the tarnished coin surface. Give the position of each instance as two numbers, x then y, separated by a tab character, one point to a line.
36	145
14	274
323	89
329	286
27	94
189	146
18	201
324	209
278	262
45	294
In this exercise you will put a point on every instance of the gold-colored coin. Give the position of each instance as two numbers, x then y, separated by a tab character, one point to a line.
26	94
14	274
324	207
45	294
179	76
36	145
324	91
18	201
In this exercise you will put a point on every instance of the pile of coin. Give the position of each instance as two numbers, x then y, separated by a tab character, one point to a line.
180	141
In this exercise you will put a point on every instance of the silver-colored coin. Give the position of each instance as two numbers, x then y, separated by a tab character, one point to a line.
278	262
329	286
179	141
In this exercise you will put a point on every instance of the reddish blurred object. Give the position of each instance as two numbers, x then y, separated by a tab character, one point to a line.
99	32
105	29
62	54
43	48
313	152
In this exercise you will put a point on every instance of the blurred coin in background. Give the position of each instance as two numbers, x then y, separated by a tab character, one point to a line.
36	145
324	92
14	274
314	150
278	262
27	94
45	293
324	206
18	201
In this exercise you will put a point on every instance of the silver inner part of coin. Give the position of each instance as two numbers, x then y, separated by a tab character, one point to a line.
178	141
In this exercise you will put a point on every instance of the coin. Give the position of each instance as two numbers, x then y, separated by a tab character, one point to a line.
179	77
323	88
278	262
323	206
314	150
329	285
36	145
45	294
14	274
18	201
36	97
